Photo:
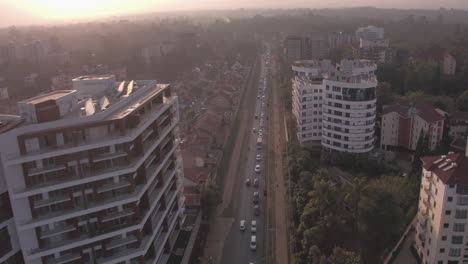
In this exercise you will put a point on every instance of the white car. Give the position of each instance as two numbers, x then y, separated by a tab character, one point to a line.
253	243
253	227
258	158
257	168
242	225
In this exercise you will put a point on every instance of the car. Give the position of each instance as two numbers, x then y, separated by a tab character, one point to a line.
256	182
253	242
253	226
258	158
260	134
258	97
242	225
262	114
257	168
247	182
256	116
257	210
255	199
254	130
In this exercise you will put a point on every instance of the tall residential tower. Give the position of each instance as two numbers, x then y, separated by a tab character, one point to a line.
94	175
335	106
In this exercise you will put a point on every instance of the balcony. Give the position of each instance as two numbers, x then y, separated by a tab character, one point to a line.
113	138
65	259
51	201
57	231
113	186
103	174
116	215
108	156
121	242
52	168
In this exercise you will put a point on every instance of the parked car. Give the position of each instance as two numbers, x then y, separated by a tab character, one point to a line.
258	158
247	182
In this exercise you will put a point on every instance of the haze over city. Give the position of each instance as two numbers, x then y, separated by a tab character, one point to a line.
233	131
20	12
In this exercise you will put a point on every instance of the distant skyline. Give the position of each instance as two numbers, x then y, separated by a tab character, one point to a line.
21	12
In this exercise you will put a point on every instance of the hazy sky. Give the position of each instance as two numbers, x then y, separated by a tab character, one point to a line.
21	11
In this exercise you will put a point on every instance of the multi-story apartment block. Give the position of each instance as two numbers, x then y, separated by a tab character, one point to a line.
372	44
10	251
403	123
295	48
449	64
335	105
96	177
442	231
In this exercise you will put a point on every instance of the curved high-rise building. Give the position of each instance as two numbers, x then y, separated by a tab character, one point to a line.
335	105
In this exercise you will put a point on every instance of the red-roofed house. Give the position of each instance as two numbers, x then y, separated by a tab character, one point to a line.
441	232
402	124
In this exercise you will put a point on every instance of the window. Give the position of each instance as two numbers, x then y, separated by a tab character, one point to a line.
446	225
447	212
461	214
5	243
444	238
459	227
457	240
450	198
442	250
454	252
462	200
451	185
462	189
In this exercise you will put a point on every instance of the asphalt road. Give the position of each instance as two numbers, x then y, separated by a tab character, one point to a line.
237	245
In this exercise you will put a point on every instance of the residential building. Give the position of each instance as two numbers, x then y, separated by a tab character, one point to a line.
372	43
93	85
449	64
441	230
404	122
335	105
3	89
307	99
10	250
94	175
458	124
340	39
295	48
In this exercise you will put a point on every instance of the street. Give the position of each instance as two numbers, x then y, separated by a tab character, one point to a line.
237	246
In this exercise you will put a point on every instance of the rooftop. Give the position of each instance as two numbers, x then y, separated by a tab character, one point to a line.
93	77
8	122
450	169
459	115
407	109
49	96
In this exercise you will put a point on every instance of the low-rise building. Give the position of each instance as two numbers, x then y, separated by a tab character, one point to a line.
404	122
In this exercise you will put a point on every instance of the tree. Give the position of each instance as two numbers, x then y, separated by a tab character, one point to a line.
422	149
380	223
209	197
342	256
462	101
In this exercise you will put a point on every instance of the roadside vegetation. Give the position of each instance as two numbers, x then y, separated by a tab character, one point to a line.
347	204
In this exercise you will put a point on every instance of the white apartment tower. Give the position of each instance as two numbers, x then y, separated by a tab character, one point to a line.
442	229
335	105
96	178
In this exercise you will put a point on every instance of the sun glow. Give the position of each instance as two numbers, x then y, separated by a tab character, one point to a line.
76	9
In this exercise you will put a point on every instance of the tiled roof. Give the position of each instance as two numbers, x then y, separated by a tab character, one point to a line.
406	109
450	169
459	115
